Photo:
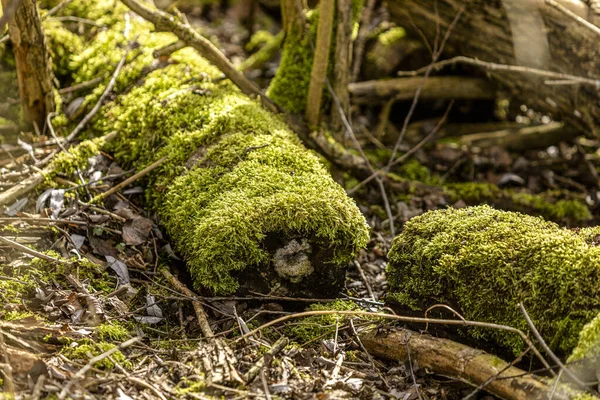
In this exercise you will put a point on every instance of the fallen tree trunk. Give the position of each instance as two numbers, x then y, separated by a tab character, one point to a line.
570	48
247	206
484	262
457	361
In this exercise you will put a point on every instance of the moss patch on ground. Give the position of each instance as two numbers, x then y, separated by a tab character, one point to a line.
545	204
484	262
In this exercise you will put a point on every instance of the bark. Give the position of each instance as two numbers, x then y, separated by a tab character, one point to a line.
439	87
34	69
457	361
484	32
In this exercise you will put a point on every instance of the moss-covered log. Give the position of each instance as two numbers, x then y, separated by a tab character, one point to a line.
242	200
484	262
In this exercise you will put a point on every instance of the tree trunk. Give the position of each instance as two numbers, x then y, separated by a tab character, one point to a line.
34	69
501	32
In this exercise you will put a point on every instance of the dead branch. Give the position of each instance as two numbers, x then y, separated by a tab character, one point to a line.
439	87
256	368
452	359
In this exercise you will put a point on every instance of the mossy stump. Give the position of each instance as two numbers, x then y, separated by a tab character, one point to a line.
484	262
244	203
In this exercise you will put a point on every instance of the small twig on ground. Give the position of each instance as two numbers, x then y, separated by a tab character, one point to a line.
27	250
369	356
200	314
277	347
503	67
82	85
166	51
550	353
364	279
129	180
412	371
137	381
81	373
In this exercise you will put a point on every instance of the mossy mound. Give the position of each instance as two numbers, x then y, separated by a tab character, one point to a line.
484	262
242	200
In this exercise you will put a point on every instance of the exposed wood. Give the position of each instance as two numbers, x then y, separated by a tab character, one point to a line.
341	70
318	73
452	359
34	69
573	50
438	87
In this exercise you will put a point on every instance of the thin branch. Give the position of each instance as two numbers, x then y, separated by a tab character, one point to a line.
576	17
81	373
361	39
413	106
129	180
550	353
403	319
27	250
559	76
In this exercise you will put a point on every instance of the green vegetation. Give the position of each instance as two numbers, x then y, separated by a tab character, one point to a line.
320	326
544	204
484	262
391	36
234	174
87	349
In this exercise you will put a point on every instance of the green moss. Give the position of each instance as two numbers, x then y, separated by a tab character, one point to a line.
391	36
472	192
484	262
62	44
15	315
113	331
77	157
413	170
252	177
259	38
319	325
264	54
588	345
289	87
87	349
544	204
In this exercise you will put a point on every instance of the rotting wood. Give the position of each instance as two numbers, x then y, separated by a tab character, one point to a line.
573	50
434	88
455	360
34	69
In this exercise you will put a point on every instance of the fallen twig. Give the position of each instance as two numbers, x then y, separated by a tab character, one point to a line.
129	180
81	373
27	250
550	353
277	347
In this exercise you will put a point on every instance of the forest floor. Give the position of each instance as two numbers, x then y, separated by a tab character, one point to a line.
55	317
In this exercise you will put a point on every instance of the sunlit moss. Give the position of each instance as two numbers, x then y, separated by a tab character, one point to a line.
113	331
233	173
391	36
484	262
320	326
87	349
